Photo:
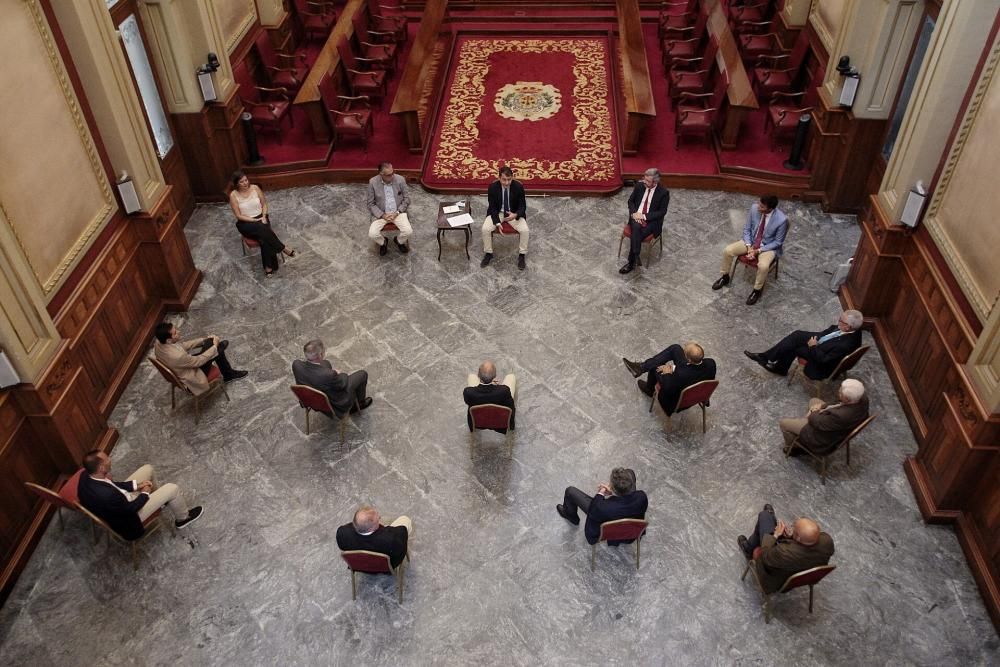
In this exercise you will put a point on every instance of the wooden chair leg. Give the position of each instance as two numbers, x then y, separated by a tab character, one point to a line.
791	375
822	471
62	526
704	421
354	585
307	421
399	581
510	444
93	533
135	556
745	570
225	392
197	410
343	430
661	245
621	242
767	610
173	401
848	448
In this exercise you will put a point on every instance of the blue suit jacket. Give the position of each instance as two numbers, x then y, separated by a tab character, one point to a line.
774	232
632	506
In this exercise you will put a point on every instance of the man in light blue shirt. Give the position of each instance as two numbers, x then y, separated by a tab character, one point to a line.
822	350
763	238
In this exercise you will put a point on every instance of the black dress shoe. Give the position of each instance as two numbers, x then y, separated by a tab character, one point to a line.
486	259
403	247
365	403
223	344
644	387
382	249
756	356
193	514
237	375
744	542
721	282
573	519
521	263
773	367
627	268
768	508
634	367
754	297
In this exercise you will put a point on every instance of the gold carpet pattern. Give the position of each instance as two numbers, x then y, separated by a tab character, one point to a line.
595	158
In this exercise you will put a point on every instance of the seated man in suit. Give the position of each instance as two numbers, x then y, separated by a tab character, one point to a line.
506	204
617	500
822	349
388	199
342	389
483	389
763	236
646	207
192	360
785	550
125	505
675	368
366	533
825	426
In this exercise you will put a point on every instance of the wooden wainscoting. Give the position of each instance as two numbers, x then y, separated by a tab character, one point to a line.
926	335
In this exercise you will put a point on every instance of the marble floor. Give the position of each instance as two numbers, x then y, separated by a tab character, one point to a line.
497	578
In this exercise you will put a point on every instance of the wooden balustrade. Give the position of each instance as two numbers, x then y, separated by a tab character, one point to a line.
739	95
636	87
418	67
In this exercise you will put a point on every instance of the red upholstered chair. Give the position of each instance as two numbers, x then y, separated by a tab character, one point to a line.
755	44
674	15
845	443
268	107
371	562
846	364
646	242
284	70
60	500
697	394
698	112
752	263
315	18
621	529
371	84
314	400
214	381
374	55
683	42
150	526
778	73
381	23
349	116
507	230
248	244
491	416
783	116
809	578
692	75
740	15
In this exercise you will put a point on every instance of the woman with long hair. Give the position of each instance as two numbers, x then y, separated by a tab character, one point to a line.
250	208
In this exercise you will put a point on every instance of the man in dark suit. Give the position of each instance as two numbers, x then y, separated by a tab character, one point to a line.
124	506
484	389
822	349
506	204
617	500
785	550
367	533
675	368
342	389
646	207
825	426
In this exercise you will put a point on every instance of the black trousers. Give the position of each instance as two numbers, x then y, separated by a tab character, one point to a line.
270	244
794	345
357	388
766	523
573	499
639	232
223	364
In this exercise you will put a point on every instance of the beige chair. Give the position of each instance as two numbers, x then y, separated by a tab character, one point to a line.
845	443
215	383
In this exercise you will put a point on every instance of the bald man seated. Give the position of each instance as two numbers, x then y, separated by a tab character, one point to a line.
675	368
483	389
825	426
785	550
366	533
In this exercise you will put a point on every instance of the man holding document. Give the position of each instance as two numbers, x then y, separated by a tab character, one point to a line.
506	212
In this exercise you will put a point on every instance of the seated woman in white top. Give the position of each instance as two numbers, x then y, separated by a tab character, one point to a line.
250	207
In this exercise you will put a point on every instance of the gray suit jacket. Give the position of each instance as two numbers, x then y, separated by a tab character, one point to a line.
376	195
322	376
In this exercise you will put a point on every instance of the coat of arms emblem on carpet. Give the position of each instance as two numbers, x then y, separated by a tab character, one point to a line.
528	100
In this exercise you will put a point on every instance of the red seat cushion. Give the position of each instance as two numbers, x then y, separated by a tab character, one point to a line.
251	243
679	49
214	374
390	227
757	552
694	121
68	492
353	122
272	112
628	234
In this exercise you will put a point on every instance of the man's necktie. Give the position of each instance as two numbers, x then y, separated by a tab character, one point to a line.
830	336
645	201
506	202
760	232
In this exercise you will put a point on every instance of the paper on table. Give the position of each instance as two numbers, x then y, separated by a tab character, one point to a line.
459	220
451	209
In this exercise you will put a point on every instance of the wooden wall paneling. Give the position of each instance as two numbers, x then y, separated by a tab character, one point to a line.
213	147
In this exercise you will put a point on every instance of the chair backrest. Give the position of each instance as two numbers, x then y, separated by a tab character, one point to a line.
49	496
311	398
245	82
622	529
490	415
798	53
708	55
265	50
699	24
808	577
849	361
346	54
719	92
856	431
370	562
69	491
167	373
697	393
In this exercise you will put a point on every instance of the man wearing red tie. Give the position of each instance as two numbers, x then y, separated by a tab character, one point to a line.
763	236
646	207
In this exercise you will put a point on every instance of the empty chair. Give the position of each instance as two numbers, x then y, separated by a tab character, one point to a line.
783	115
376	55
383	27
683	42
283	70
778	73
214	381
697	394
349	115
371	562
692	75
316	18
697	113
268	107
675	15
315	400
747	14
620	530
371	84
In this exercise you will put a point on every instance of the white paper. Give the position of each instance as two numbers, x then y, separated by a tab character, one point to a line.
460	204
451	209
459	220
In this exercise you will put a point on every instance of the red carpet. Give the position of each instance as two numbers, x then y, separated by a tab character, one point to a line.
542	106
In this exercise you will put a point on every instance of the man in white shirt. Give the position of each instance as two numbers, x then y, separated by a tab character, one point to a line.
388	199
647	205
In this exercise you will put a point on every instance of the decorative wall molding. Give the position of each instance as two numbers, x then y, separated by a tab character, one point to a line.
241	29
